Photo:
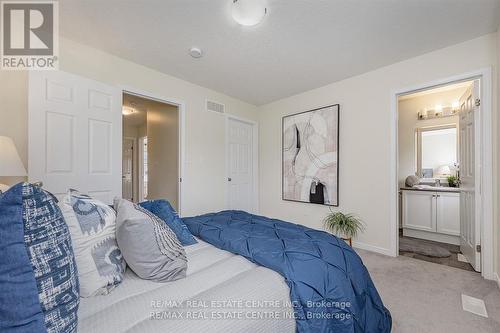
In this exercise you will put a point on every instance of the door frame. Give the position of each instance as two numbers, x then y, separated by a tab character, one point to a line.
134	165
182	133
255	157
140	168
484	145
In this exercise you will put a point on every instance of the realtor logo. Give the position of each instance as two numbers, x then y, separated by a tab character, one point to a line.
30	36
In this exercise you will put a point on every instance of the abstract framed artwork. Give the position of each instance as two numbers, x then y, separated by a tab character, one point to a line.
310	156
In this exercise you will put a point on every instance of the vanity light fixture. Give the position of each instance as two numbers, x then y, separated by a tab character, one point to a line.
438	109
248	12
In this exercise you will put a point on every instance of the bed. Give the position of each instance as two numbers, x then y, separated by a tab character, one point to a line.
313	282
245	273
138	305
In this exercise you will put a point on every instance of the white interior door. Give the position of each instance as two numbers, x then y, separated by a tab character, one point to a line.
75	135
470	227
240	165
128	169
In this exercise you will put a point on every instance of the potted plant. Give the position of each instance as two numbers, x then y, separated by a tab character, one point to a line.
345	226
453	181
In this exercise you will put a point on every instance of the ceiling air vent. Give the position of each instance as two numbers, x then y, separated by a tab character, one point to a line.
215	107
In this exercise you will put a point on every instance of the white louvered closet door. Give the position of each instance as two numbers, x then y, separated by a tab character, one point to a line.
75	134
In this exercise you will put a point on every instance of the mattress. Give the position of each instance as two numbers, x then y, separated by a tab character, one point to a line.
222	292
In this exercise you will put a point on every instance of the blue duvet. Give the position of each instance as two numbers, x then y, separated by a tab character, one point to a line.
330	288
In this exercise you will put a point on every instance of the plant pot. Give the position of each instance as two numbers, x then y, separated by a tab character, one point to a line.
347	240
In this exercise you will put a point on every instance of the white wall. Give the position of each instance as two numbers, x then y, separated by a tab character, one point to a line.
163	148
204	178
365	136
13	115
408	122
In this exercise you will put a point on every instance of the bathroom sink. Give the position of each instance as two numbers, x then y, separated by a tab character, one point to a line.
434	188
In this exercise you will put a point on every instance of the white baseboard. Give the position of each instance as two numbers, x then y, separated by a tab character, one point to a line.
433	236
372	248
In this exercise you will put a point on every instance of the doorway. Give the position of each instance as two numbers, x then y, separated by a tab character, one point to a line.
446	142
432	168
151	150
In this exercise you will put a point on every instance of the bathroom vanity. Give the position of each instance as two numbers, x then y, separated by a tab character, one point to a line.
431	213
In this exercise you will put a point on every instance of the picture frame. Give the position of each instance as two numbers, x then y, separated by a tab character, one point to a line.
310	156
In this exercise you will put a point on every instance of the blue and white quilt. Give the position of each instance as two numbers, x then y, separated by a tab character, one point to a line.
330	288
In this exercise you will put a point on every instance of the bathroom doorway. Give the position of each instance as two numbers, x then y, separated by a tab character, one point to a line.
442	138
430	165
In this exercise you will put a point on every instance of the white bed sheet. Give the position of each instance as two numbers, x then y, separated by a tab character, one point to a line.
218	285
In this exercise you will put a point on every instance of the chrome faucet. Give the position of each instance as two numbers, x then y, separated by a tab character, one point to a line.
437	183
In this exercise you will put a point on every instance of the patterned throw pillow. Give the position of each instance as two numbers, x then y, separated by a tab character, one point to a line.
38	276
164	211
149	246
98	258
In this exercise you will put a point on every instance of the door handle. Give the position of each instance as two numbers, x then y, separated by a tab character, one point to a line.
229	179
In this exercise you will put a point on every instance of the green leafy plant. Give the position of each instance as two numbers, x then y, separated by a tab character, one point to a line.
453	181
343	225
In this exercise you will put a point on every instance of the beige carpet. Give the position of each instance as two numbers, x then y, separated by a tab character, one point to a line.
424	297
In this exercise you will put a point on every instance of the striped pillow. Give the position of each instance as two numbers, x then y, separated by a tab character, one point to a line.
149	246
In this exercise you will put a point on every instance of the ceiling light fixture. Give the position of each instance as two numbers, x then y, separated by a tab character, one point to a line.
248	12
128	111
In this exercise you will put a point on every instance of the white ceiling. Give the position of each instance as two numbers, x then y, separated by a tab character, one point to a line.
300	45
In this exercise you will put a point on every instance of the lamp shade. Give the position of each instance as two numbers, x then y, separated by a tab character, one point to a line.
444	170
10	163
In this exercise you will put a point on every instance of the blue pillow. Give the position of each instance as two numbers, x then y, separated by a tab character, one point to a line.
39	289
164	211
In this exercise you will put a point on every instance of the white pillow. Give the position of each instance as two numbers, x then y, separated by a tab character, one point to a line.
92	226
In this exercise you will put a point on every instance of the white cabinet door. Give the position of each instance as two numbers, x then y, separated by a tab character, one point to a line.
75	134
419	210
448	213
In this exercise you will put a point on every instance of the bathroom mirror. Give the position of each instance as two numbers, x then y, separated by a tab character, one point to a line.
436	149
